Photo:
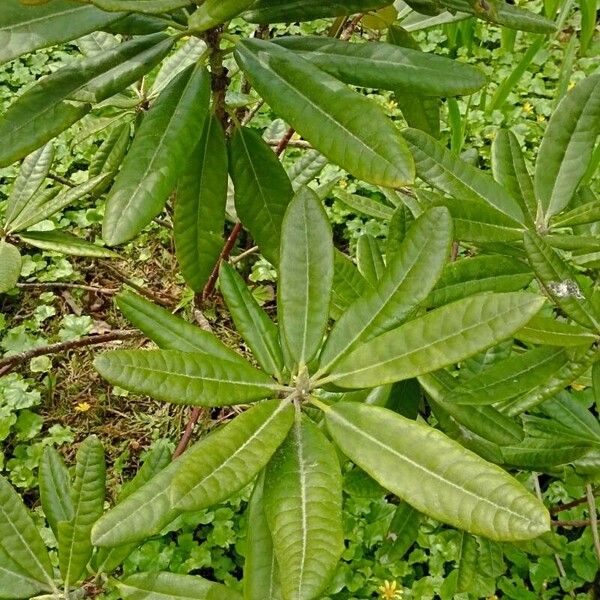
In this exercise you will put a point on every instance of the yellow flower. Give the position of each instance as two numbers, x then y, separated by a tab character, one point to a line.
571	85
343	183
528	108
541	118
390	590
391	105
578	387
83	407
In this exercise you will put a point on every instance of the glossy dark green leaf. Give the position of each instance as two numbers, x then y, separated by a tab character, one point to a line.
231	457
386	66
348	284
27	28
567	146
109	157
55	488
214	12
200	207
191	378
10	266
510	171
65	96
442	169
538	453
436	475
439	338
283	11
171	332
253	323
58	241
262	189
167	136
343	125
141	6
411	273
549	331
305	277
74	543
303	504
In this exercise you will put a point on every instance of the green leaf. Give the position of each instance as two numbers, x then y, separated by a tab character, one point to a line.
567	147
214	12
549	331
438	339
440	168
261	578
167	136
110	155
409	277
55	489
369	258
60	99
16	583
171	332
470	276
436	475
510	171
32	174
343	125
306	168
386	66
159	458
364	205
303	504
491	558
559	281
74	543
403	532
169	586
24	29
193	378
200	207
539	453
230	458
466	563
510	377
10	266
21	542
305	276
253	323
398	227
581	215
570	413
262	189
58	241
283	11
348	284
141	6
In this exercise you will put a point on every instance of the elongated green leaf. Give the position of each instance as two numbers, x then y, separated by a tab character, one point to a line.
386	66
369	259
440	168
261	577
20	540
46	204
348	284
436	475
303	503
538	453
570	413
306	168
214	12
466	564
171	332
167	136
200	207
110	155
340	123
58	241
141	6
26	28
440	338
479	274
485	421
262	190
305	276
559	281
169	586
549	331
10	266
274	11
403	531
16	583
230	458
74	543
55	489
566	375
256	327
409	277
510	171
581	215
33	172
364	205
567	146
511	377
491	558
65	96
190	378
398	227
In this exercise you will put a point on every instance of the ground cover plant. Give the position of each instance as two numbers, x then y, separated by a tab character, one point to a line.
360	239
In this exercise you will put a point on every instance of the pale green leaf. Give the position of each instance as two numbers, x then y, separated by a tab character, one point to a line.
10	266
59	241
55	488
